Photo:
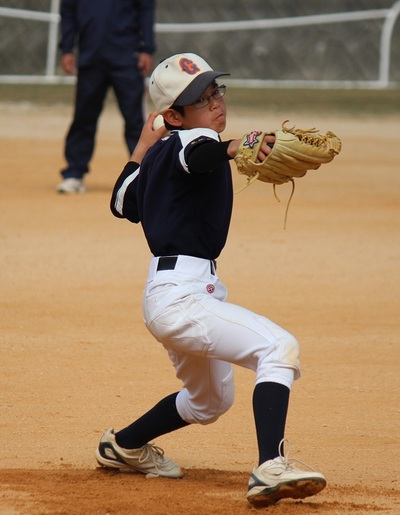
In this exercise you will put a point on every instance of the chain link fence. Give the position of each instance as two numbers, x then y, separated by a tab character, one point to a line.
336	52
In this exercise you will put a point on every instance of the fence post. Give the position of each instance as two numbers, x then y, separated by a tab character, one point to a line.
386	40
52	43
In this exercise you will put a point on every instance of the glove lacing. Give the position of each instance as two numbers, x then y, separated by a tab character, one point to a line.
309	137
254	177
288	202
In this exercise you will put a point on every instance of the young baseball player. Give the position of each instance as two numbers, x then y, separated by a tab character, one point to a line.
181	192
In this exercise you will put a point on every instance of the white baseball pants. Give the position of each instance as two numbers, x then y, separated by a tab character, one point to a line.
185	309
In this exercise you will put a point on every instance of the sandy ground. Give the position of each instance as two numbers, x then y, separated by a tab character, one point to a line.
76	357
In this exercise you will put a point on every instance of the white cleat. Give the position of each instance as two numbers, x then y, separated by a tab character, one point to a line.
279	478
149	459
71	185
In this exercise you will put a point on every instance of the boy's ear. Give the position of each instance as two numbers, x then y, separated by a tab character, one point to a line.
173	117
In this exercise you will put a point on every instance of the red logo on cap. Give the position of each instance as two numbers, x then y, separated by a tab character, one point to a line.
188	66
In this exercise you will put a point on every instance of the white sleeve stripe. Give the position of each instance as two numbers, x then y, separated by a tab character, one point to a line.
119	199
188	136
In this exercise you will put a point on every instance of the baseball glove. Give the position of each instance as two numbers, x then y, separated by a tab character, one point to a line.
294	152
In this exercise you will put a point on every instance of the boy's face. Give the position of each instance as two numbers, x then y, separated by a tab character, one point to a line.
210	116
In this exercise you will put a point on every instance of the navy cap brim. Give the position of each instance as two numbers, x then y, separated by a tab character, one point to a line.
197	87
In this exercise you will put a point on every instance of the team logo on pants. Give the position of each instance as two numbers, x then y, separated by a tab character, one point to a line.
210	288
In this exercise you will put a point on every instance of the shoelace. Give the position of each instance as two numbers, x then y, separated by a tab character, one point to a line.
290	463
154	454
151	452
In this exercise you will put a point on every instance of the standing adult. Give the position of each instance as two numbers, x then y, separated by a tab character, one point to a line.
114	44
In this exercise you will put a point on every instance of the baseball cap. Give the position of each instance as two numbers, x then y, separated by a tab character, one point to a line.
180	80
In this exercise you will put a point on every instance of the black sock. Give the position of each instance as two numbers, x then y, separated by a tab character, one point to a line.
161	419
270	406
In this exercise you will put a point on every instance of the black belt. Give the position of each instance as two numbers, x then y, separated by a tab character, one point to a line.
169	263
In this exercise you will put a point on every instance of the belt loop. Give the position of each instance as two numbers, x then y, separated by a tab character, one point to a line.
213	266
167	263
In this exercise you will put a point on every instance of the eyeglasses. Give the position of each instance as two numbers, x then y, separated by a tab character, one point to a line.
218	92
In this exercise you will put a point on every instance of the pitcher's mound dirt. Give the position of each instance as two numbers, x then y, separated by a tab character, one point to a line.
75	357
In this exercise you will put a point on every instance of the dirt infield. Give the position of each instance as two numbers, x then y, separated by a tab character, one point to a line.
76	357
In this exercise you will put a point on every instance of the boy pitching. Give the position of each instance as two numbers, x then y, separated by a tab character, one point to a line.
180	190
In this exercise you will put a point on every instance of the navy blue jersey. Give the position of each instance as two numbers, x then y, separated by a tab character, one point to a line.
181	212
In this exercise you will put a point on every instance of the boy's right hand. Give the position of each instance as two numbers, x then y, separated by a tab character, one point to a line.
148	137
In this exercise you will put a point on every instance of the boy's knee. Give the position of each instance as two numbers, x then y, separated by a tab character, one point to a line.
209	412
283	364
205	416
290	350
